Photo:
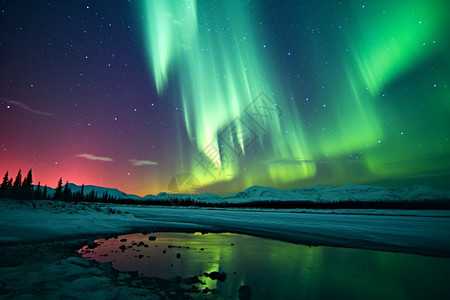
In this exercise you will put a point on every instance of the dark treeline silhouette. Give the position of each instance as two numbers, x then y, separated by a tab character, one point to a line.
438	204
24	189
17	189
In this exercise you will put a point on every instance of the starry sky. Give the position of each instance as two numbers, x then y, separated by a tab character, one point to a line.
216	96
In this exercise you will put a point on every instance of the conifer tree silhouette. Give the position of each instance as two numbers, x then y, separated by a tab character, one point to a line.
44	193
27	186
37	192
58	190
67	193
4	186
17	184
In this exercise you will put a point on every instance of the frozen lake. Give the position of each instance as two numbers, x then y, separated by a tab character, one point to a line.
39	239
272	269
417	232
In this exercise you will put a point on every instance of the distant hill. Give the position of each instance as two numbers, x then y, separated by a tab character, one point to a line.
325	193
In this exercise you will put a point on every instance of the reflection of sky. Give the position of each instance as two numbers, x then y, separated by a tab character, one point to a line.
274	269
267	93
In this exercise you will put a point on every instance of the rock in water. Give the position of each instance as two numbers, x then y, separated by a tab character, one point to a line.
221	276
91	244
244	293
193	280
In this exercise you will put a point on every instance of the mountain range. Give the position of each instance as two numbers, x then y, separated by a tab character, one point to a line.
323	193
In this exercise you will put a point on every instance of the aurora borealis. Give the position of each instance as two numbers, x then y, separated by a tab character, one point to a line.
128	94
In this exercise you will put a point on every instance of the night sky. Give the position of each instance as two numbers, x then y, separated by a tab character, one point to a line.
216	96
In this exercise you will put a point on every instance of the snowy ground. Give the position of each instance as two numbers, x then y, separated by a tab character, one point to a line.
38	240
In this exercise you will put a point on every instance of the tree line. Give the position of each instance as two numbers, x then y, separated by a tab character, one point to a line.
437	204
23	188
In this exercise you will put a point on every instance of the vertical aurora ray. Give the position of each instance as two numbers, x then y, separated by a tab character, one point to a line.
169	26
394	36
286	94
397	43
392	135
222	68
217	57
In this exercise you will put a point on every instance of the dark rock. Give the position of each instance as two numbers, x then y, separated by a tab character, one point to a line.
221	276
140	244
164	251
206	290
192	280
141	256
244	293
202	249
123	240
92	244
178	255
122	247
152	238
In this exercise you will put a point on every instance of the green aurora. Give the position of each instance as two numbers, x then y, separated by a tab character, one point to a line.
359	94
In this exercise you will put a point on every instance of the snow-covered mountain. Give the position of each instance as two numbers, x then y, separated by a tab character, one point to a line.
323	193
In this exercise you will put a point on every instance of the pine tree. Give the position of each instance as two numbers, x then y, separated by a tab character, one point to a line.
4	186
58	190
17	185
27	186
44	193
37	192
67	194
92	197
80	194
105	196
29	179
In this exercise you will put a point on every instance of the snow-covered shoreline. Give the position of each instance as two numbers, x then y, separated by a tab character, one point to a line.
417	232
39	239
